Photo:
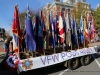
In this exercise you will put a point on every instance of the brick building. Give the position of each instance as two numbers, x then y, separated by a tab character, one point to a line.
58	6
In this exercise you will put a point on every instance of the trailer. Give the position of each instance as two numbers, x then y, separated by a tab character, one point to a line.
71	59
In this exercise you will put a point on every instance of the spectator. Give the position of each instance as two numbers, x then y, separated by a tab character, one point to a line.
99	37
6	46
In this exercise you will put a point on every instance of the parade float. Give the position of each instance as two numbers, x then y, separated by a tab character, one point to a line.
49	43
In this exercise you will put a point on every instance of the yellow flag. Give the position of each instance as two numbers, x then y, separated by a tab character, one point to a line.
47	30
86	36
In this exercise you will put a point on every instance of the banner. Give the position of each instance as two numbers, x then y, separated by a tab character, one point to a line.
43	61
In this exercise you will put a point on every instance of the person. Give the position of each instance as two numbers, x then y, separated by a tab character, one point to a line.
98	37
6	46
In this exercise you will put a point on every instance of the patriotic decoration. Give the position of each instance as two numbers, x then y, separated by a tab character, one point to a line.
86	33
56	30
27	64
12	61
43	30
68	30
39	34
93	34
47	30
30	38
81	31
16	30
75	29
61	29
52	31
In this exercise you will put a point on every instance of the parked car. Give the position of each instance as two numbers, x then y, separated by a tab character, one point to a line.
1	40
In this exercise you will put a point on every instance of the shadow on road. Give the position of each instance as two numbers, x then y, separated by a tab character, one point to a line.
2	56
42	71
45	71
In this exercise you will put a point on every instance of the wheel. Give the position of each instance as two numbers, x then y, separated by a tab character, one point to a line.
65	64
73	63
85	60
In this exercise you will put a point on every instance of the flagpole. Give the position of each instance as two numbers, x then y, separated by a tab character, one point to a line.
18	32
18	40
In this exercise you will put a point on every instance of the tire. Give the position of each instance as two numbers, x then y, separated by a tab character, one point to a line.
73	63
85	60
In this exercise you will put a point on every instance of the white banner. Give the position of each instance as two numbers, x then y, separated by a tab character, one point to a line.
43	61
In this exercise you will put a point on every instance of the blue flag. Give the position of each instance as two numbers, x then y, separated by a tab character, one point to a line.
52	31
75	34
30	39
56	29
39	34
81	31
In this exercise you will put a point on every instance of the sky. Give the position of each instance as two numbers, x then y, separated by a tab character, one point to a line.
7	9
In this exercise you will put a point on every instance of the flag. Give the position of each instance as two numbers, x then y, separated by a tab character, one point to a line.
16	30
61	29
75	35
68	30
56	29
30	38
93	31
86	33
44	30
39	34
52	30
81	31
47	30
34	23
43	25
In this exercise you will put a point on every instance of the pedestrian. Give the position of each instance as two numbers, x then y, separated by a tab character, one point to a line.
98	37
6	46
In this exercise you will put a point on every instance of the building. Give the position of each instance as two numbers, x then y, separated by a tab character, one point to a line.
57	6
98	6
2	32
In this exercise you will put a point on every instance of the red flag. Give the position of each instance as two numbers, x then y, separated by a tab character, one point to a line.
16	30
93	34
61	29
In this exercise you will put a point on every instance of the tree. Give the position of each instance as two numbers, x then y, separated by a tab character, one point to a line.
78	10
22	16
97	17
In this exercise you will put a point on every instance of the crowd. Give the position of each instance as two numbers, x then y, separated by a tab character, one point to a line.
98	37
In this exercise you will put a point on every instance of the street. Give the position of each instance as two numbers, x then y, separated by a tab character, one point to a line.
1	48
92	69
